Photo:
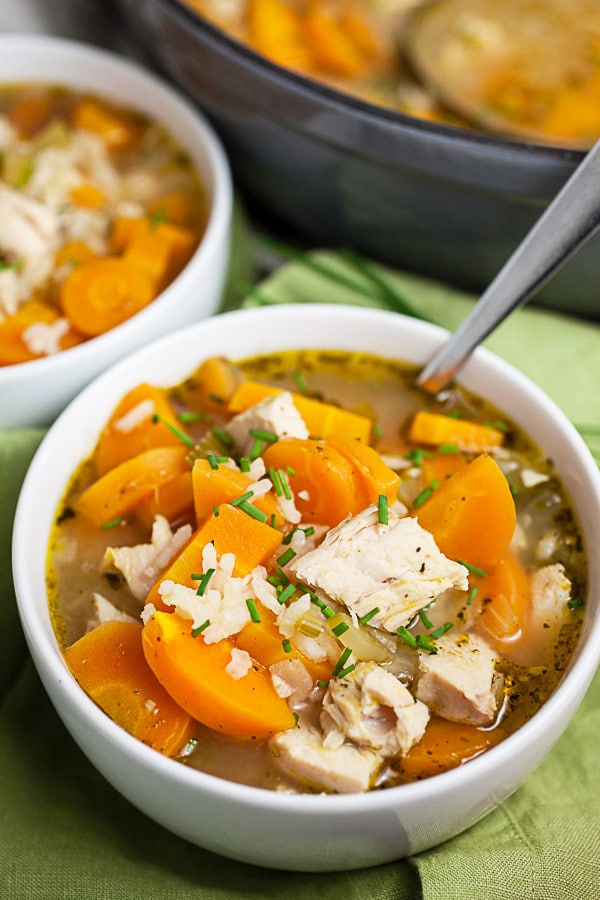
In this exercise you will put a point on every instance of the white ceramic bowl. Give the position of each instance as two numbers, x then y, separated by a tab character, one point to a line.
316	833
33	393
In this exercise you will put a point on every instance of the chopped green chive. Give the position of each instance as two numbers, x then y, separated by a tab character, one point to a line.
448	448
273	522
472	594
286	557
301	382
407	637
323	684
327	611
242	498
283	579
284	485
254	613
377	430
340	629
204	579
382	509
216	510
212	461
426	493
253	512
189	416
200	628
269	436
257	448
498	425
244	464
368	616
474	570
287	646
575	603
341	662
286	593
346	671
441	630
275	478
223	437
112	523
291	472
417	455
425	619
183	437
216	398
425	642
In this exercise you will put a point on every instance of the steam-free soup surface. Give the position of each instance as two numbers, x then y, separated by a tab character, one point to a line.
298	572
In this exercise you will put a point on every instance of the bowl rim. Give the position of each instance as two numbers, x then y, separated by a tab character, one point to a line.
216	181
370	111
558	708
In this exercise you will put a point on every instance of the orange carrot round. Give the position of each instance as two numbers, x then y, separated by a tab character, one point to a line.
446	745
118	491
372	473
472	515
122	439
323	483
502	599
103	293
195	675
109	664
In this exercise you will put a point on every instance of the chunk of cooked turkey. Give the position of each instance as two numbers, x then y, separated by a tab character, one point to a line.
105	611
396	567
142	564
278	415
459	682
300	752
373	709
550	594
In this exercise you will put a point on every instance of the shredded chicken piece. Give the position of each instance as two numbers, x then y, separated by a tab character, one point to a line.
141	565
395	567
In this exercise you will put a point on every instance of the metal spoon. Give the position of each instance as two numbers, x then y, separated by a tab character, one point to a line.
571	218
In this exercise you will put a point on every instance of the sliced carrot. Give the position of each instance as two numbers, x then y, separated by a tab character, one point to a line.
118	491
103	293
124	230
109	664
323	420
274	29
231	531
74	253
323	483
371	472
30	110
127	434
14	348
174	500
436	429
161	252
88	195
441	466
119	130
175	207
213	486
334	50
264	642
195	675
472	515
446	745
211	386
503	599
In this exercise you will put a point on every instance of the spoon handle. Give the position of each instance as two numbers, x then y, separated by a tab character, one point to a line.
568	221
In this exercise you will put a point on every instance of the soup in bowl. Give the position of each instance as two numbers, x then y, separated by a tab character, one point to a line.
115	200
292	608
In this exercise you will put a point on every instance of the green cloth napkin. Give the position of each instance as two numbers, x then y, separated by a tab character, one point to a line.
65	833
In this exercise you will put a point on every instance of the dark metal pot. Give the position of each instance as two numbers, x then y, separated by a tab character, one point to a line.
440	201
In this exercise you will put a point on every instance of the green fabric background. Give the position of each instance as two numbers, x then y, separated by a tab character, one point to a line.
65	833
